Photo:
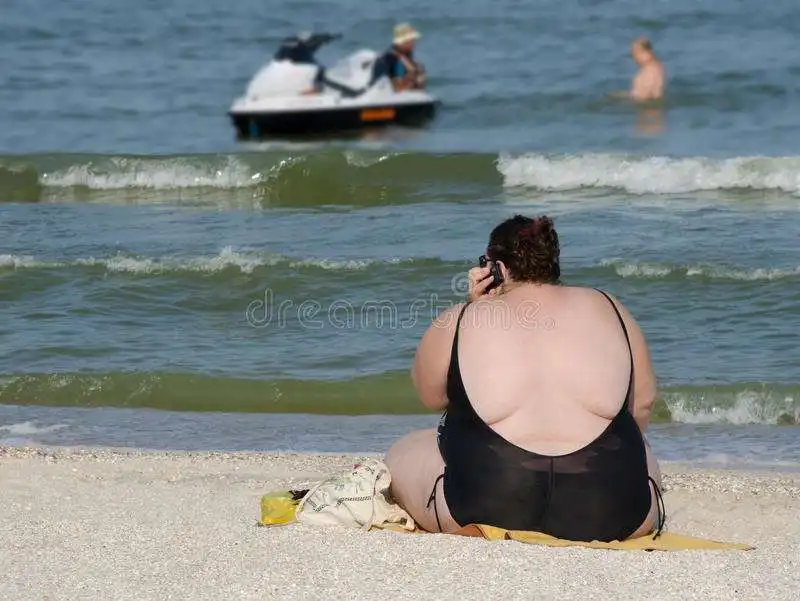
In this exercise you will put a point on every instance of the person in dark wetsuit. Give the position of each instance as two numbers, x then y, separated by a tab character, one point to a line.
398	62
546	392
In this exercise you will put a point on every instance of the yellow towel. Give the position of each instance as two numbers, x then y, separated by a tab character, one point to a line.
278	508
668	541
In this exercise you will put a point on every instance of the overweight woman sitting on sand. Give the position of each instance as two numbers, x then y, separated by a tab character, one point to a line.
546	391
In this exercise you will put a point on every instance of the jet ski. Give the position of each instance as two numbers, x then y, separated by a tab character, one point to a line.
295	95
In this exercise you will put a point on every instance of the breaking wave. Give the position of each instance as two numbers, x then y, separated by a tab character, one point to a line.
248	262
626	269
659	175
358	177
386	393
245	262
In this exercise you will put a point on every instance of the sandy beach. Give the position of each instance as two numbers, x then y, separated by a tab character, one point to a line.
118	524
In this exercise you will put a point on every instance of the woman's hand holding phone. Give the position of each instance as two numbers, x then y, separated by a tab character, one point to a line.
478	281
480	278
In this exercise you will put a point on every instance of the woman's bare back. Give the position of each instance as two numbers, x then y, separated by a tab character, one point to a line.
546	367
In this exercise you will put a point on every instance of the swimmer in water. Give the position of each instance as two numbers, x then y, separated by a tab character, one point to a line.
651	80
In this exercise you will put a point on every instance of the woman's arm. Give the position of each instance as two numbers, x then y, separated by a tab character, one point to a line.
432	359
645	386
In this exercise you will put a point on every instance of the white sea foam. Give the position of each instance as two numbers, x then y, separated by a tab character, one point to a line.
626	269
246	262
640	175
17	261
167	174
747	407
360	159
29	429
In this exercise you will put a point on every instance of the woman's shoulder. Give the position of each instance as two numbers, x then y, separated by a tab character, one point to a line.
447	317
591	293
585	300
603	299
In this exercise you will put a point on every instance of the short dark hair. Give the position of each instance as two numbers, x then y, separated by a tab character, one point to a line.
528	248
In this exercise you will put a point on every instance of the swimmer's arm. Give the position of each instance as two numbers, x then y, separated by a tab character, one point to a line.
432	359
645	385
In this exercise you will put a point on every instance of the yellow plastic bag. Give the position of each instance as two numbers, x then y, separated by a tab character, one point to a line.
278	507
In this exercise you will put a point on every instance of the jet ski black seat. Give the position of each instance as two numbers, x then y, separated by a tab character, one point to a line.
344	90
379	69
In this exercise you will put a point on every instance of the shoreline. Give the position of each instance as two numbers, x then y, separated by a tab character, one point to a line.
93	522
789	469
675	473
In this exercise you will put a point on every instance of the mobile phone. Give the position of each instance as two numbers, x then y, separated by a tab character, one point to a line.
494	271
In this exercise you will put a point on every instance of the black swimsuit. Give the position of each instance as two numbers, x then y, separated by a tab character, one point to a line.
599	492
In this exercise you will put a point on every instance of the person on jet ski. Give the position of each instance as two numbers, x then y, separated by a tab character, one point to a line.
398	62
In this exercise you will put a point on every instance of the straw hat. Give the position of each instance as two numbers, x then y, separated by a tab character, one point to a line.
405	33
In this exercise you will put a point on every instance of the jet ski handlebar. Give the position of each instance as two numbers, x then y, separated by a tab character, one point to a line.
316	40
301	48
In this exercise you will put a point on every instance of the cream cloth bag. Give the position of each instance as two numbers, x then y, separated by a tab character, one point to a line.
357	499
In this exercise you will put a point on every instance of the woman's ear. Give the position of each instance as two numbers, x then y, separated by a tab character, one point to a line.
504	271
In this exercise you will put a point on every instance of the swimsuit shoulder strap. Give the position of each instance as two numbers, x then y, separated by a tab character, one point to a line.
630	351
458	325
454	349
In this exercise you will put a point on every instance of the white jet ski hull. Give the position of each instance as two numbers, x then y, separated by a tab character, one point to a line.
322	113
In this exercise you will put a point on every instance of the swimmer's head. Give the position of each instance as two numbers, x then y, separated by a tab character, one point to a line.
641	50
